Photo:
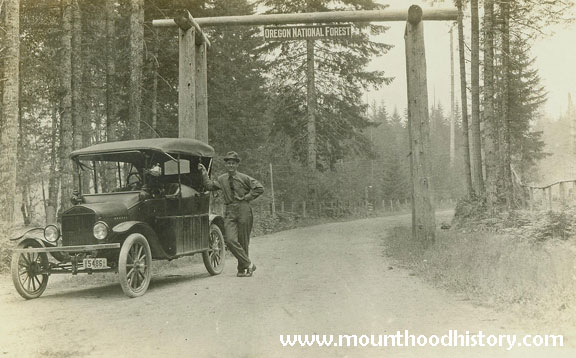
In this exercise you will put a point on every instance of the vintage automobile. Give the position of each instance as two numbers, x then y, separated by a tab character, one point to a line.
137	200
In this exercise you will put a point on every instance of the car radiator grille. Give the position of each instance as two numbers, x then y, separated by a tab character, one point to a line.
77	229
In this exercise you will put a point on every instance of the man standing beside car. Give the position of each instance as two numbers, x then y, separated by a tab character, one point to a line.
238	190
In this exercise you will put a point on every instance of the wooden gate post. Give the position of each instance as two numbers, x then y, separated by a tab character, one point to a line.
423	219
186	79
201	92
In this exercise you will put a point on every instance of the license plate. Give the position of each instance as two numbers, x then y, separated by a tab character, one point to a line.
95	263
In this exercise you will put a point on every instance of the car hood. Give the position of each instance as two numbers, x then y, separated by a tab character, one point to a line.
113	211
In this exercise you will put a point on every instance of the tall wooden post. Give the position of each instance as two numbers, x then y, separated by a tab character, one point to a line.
423	219
186	80
201	92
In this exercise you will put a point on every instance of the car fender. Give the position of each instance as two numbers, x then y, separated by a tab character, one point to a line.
24	240
35	233
218	220
126	228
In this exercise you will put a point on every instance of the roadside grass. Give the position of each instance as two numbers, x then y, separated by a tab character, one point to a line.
529	277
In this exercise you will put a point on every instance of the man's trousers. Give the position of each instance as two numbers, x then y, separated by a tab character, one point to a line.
238	222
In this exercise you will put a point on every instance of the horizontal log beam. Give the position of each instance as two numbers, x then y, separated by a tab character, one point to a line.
185	21
318	17
549	185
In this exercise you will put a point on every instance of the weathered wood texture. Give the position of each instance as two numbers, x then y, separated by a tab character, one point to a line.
317	17
66	127
9	110
423	219
464	99
201	80
136	66
187	85
311	103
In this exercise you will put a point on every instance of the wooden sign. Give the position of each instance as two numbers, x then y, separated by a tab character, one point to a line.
287	33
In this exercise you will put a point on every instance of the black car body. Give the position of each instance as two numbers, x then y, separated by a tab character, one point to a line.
144	200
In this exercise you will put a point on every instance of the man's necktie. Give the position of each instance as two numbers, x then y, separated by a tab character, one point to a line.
231	182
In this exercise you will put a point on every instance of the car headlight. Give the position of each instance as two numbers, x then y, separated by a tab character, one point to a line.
100	230
51	233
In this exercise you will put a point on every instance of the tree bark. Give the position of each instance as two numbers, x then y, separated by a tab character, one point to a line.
111	110
53	177
476	150
505	150
78	127
311	104
423	220
490	122
10	105
66	125
108	180
452	103
136	65
464	100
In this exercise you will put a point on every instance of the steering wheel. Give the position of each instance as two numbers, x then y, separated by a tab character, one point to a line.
136	184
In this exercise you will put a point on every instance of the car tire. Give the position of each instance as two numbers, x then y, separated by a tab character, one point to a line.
26	271
135	265
214	258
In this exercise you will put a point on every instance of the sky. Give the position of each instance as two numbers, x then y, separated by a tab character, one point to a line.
555	59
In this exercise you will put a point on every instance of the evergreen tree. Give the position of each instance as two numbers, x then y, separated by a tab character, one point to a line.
340	77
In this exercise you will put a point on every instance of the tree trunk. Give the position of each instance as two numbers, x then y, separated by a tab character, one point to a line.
9	118
452	104
111	120
66	125
464	100
154	90
76	60
311	103
490	122
476	152
136	63
505	157
111	109
53	177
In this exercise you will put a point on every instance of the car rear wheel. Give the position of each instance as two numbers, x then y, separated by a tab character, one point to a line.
29	271
134	265
214	257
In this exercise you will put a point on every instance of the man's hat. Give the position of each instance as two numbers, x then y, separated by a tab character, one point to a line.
232	156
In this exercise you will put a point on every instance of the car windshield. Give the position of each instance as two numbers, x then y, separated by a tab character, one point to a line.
111	172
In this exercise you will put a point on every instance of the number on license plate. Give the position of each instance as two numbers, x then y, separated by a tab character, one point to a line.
95	263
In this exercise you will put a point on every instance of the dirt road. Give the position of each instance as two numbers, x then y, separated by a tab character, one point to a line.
329	279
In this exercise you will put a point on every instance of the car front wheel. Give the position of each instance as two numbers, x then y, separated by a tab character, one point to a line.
134	265
214	257
29	271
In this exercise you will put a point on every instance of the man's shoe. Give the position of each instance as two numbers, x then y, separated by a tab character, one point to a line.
241	273
250	271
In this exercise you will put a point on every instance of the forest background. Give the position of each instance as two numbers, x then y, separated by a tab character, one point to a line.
94	71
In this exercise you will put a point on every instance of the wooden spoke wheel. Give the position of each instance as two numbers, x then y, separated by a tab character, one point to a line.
134	265
214	257
29	271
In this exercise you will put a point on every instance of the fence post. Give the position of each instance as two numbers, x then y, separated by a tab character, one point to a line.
304	208
562	193
549	198
531	198
272	191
